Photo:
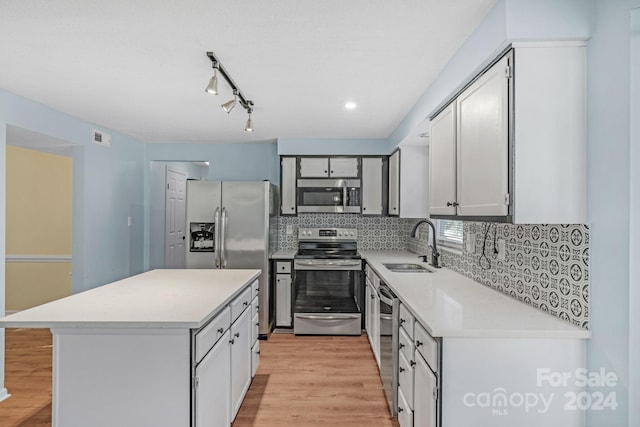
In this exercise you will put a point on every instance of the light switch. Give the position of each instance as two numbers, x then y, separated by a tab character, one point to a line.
502	248
470	240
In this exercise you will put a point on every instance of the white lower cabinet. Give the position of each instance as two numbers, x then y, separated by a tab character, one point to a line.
405	414
240	360
425	395
372	319
212	384
225	359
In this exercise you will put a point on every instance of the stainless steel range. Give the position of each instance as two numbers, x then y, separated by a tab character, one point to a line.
328	292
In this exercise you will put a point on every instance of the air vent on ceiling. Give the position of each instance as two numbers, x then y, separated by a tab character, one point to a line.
101	138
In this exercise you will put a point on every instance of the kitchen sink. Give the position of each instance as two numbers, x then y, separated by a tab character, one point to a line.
407	268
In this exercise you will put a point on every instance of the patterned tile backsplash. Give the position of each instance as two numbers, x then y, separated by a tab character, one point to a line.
374	233
545	266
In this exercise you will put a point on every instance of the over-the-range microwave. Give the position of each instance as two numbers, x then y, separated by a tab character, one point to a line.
328	196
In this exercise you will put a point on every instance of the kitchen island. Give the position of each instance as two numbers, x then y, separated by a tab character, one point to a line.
128	353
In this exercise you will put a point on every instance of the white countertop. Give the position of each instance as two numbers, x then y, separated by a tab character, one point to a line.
448	304
284	254
155	299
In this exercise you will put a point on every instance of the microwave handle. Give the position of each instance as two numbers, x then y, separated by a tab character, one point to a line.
344	197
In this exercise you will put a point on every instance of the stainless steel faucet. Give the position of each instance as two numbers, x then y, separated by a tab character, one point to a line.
435	255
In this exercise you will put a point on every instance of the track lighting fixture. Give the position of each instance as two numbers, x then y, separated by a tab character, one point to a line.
228	106
238	97
249	126
212	87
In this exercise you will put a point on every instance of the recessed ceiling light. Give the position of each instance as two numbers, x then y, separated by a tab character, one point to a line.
350	105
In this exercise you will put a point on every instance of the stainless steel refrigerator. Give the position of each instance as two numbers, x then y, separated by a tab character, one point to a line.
232	224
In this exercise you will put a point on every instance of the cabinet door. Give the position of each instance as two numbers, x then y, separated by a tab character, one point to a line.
288	186
371	186
212	385
343	167
240	360
442	162
314	167
283	300
483	144
394	184
425	392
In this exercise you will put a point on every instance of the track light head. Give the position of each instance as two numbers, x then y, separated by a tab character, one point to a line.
212	87
249	126
228	106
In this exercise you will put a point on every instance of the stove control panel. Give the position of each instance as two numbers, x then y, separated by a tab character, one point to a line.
327	234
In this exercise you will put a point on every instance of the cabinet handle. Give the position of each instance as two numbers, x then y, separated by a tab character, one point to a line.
237	335
400	409
245	303
418	343
400	346
372	297
402	320
232	341
401	369
452	203
412	363
220	330
257	324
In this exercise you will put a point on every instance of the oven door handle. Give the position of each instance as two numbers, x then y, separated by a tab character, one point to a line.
326	264
332	317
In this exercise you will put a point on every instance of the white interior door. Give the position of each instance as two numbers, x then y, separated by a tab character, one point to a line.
175	196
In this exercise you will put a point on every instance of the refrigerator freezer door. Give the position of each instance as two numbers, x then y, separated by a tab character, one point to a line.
203	224
246	235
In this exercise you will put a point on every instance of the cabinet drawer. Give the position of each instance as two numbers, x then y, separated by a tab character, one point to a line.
210	334
241	302
405	378
405	345
405	414
427	346
254	328
255	288
283	267
255	306
255	358
407	321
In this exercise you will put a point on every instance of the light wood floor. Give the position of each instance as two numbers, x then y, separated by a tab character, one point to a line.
301	381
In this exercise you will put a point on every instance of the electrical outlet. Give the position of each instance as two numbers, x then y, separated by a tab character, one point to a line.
289	229
470	242
502	249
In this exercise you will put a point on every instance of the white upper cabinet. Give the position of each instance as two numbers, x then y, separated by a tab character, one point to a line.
314	167
483	144
371	186
394	183
343	167
442	162
323	167
288	186
520	140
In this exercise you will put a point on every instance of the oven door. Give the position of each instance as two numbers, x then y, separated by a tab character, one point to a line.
327	301
328	196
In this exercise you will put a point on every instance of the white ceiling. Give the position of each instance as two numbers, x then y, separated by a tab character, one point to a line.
139	67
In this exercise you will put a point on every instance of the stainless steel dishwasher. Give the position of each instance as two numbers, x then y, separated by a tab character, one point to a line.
389	314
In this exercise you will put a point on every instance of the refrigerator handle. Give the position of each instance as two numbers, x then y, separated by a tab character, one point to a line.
223	228
216	222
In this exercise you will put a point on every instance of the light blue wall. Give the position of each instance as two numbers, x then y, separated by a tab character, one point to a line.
289	146
108	188
634	214
608	198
